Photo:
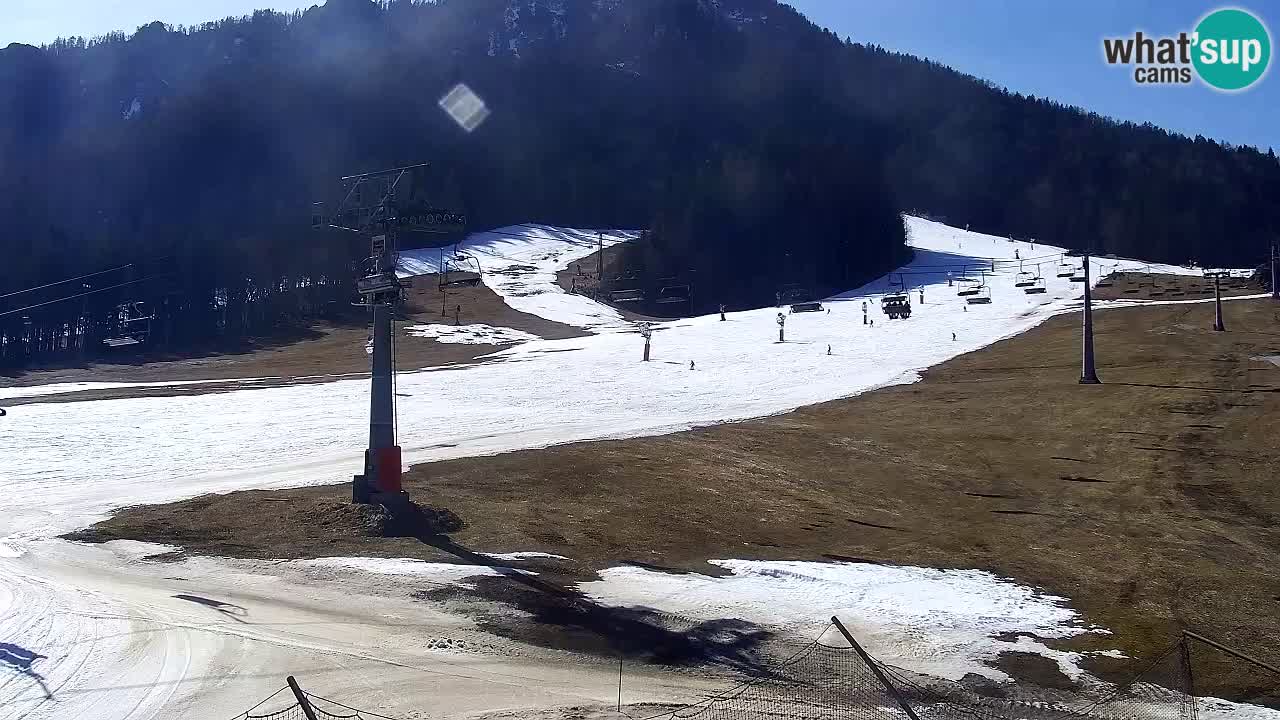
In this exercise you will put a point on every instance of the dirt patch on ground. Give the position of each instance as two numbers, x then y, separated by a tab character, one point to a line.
1033	668
1142	286
1150	501
315	353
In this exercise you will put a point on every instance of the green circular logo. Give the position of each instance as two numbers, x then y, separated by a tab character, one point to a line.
1232	49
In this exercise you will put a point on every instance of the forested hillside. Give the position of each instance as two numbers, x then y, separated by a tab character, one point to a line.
760	150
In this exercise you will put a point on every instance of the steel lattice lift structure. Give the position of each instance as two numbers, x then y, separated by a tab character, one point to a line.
371	207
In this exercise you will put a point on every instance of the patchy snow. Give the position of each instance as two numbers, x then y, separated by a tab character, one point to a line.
81	460
439	572
557	10
524	555
940	622
31	391
1131	302
134	550
520	262
1210	708
621	66
512	16
73	463
475	334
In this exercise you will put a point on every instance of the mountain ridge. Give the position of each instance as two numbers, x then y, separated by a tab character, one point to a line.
752	144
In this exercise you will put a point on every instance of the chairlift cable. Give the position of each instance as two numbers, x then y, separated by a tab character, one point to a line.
61	282
83	294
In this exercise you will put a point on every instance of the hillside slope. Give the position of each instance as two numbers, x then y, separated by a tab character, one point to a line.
761	150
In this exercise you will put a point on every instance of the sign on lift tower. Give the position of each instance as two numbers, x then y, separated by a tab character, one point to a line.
370	207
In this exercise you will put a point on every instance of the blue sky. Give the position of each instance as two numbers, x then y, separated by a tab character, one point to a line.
1054	50
41	21
1050	49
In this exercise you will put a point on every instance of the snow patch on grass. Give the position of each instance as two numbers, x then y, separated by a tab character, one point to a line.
475	334
523	556
1210	708
940	622
133	550
520	262
406	567
71	387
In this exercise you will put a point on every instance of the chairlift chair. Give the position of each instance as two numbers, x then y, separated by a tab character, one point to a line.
983	297
460	263
1065	270
626	296
1024	280
135	325
673	294
1037	286
793	292
971	289
122	341
897	305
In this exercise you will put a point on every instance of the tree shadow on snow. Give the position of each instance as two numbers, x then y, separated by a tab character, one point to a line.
928	267
559	616
21	659
230	610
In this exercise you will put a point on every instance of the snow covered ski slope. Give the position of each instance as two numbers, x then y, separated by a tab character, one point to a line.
520	263
113	641
82	459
